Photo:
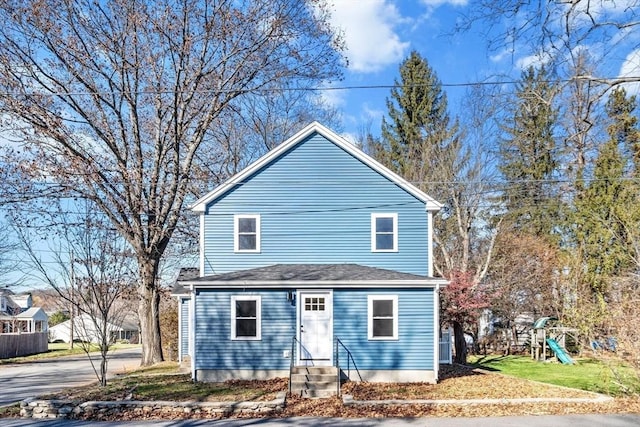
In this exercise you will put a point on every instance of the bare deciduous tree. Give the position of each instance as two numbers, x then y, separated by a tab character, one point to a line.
523	279
114	102
92	269
557	31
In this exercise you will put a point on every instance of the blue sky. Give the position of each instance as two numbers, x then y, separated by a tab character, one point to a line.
380	34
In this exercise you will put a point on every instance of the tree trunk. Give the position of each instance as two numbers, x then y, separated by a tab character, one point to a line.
149	313
460	343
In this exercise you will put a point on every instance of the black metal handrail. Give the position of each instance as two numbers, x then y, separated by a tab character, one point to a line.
349	360
292	359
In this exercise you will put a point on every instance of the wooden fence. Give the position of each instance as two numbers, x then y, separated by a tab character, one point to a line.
15	345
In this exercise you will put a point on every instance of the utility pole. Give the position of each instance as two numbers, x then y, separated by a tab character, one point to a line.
71	319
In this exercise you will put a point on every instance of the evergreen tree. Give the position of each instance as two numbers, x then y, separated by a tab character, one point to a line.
624	127
528	156
418	140
420	143
608	209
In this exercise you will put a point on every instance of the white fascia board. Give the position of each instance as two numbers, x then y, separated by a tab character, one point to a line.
434	283
431	204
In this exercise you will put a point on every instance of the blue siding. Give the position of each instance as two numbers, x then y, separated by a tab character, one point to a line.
315	204
414	347
412	350
216	350
184	326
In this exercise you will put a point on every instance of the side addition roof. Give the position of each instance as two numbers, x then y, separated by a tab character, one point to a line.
185	274
313	275
315	127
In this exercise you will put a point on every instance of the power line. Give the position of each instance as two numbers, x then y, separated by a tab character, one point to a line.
602	80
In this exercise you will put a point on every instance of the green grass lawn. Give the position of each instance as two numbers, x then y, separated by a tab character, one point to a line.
585	374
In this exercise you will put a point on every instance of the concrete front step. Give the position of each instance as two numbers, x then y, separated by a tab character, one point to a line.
315	370
313	394
313	377
314	381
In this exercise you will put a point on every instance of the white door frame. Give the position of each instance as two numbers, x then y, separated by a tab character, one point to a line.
300	298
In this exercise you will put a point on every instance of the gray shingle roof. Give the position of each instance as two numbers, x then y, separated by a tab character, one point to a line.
301	273
186	273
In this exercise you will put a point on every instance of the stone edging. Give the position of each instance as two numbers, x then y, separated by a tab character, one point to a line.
348	400
39	408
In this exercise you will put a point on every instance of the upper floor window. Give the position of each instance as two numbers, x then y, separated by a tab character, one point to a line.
384	232
246	235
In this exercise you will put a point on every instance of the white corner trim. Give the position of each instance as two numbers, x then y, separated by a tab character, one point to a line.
180	337
429	243
436	332
201	244
192	333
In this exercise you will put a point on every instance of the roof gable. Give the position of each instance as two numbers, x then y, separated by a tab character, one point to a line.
315	127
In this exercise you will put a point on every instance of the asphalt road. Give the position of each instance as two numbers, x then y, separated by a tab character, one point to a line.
20	381
529	421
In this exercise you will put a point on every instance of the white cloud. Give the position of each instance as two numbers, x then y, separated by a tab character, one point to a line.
351	137
371	114
369	32
437	3
631	68
334	97
499	56
536	60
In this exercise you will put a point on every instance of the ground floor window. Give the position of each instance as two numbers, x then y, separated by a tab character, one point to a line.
383	317
246	317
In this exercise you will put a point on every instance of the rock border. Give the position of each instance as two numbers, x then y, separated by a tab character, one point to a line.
54	408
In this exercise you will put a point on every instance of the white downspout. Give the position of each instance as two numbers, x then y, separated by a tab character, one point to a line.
436	331
192	333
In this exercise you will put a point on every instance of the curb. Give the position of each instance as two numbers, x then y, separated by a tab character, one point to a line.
348	400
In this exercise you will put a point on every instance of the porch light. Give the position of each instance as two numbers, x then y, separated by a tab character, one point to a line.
291	297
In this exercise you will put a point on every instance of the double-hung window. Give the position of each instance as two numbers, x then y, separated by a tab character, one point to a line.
246	233
383	317
246	317
384	232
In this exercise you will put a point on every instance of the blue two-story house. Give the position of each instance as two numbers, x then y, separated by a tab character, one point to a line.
313	255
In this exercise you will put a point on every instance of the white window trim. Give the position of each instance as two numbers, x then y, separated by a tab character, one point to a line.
236	238
370	299
258	300
394	217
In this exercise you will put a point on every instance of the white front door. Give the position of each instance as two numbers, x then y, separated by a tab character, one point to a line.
315	327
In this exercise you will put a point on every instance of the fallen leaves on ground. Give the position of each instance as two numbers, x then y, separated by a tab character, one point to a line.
457	382
461	382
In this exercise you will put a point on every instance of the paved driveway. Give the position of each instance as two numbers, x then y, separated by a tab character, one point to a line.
20	381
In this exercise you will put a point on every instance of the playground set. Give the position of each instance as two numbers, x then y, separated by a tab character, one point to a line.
546	339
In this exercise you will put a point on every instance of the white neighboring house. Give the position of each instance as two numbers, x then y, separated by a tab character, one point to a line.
85	330
18	316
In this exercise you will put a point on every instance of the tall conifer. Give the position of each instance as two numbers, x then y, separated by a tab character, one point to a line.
417	138
608	210
529	158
